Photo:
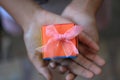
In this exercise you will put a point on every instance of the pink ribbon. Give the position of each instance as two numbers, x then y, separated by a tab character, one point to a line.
64	39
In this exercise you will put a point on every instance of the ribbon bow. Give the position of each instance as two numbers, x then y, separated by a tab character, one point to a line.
57	39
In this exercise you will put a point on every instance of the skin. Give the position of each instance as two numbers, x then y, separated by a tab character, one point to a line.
32	18
83	12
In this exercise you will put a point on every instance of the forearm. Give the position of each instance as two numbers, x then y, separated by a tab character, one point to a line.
23	11
90	6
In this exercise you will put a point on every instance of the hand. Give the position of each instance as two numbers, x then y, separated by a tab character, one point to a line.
88	59
32	40
88	62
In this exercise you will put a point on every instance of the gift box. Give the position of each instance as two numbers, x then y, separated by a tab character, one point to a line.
59	41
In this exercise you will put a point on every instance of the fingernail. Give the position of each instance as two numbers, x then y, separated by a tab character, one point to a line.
98	71
89	75
96	47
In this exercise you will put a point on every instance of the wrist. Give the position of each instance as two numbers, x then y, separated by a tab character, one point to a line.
86	6
71	11
24	12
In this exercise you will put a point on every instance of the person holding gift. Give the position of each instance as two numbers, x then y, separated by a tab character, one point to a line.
32	17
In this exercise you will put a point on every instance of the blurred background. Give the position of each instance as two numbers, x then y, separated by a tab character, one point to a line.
14	63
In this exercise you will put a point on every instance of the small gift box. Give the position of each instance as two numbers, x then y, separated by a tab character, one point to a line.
60	41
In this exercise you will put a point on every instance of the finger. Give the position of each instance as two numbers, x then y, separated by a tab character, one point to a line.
70	76
78	70
86	50
91	55
85	39
53	65
62	69
88	64
95	58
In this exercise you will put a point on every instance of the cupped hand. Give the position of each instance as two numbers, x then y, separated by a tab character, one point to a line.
32	39
88	60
